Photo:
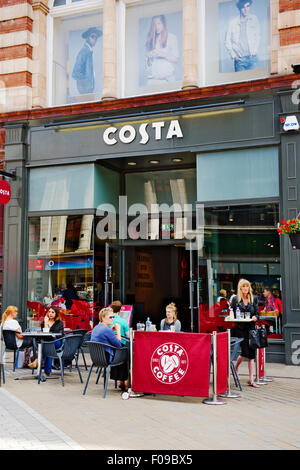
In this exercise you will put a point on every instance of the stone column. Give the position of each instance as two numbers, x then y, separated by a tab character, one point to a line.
109	61
39	53
190	45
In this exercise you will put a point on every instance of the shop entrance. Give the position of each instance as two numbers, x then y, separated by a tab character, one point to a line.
149	277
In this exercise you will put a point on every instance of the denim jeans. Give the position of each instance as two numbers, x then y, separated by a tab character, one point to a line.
48	360
245	63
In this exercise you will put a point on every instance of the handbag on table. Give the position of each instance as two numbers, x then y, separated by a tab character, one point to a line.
258	337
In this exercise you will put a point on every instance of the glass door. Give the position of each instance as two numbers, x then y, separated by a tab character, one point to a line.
114	284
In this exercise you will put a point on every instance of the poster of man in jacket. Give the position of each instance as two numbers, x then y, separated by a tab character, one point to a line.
244	35
86	70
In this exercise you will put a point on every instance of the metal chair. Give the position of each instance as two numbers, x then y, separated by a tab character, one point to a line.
9	337
68	350
100	360
234	346
85	335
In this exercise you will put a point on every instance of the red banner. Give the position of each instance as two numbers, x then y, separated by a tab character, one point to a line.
261	363
222	362
171	363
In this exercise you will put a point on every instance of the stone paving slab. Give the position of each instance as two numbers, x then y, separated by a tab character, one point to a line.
24	429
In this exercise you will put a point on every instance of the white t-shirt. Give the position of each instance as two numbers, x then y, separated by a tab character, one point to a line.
13	325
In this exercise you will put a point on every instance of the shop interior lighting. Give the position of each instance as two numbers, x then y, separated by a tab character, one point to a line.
131	163
177	160
231	217
154	162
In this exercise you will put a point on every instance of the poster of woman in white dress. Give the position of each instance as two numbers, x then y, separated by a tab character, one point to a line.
160	49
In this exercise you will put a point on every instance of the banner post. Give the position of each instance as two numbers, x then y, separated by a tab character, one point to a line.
130	393
214	400
258	380
229	393
264	378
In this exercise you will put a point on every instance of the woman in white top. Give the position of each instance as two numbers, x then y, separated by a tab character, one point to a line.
162	52
9	322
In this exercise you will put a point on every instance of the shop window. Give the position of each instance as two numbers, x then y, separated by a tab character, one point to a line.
161	187
77	56
237	40
61	188
153	47
61	257
240	242
238	174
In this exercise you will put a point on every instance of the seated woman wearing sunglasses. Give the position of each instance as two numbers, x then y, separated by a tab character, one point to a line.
102	333
110	334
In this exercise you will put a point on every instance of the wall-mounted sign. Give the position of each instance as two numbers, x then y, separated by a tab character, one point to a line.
291	124
5	192
127	134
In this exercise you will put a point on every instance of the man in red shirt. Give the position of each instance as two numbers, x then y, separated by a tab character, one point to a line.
272	305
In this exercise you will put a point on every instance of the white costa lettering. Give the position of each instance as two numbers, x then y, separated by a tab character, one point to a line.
127	134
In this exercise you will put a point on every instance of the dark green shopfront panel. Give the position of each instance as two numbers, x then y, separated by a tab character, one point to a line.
248	124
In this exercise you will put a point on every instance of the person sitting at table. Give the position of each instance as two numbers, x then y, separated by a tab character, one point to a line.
9	322
53	322
270	307
247	303
116	306
171	319
110	334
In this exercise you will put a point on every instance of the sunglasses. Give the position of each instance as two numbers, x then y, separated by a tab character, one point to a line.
111	317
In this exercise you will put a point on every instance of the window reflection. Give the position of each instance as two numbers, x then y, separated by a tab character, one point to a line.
61	262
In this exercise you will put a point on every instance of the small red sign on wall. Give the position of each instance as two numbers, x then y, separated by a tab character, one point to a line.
5	192
38	264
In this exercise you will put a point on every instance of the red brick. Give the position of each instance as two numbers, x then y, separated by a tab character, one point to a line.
8	3
16	52
289	36
16	79
287	5
18	24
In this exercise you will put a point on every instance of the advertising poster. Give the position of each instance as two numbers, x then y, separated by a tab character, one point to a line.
243	35
85	61
160	49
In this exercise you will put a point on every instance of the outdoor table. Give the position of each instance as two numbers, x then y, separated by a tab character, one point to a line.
40	337
239	320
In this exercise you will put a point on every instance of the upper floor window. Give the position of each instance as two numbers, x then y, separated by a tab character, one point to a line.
76	51
236	40
153	46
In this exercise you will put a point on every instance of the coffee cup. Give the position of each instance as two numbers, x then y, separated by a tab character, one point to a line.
46	330
172	328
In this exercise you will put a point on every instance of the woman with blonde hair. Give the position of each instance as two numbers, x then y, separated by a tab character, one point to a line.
171	319
247	303
9	322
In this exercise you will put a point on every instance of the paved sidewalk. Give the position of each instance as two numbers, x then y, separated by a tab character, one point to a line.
24	429
55	417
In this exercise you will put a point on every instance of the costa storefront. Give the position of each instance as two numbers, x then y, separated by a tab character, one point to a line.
151	204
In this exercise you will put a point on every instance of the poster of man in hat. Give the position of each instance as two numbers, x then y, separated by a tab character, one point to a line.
83	71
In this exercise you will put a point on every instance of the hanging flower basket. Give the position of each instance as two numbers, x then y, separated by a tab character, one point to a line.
292	229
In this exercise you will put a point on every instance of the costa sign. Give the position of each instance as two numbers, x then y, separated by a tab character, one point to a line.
127	134
169	363
5	192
